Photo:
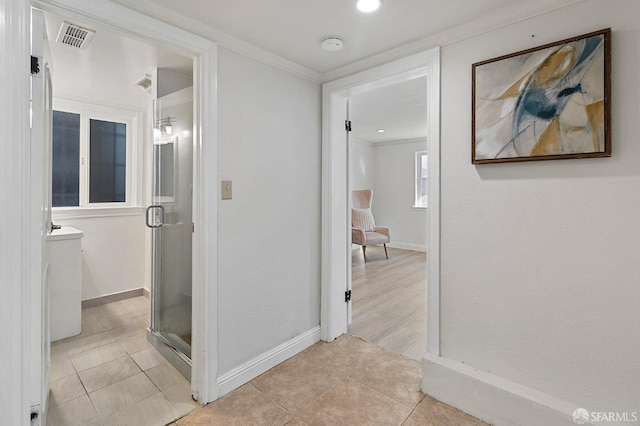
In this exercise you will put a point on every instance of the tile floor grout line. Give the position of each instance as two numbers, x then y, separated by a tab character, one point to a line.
412	411
385	395
117	381
295	414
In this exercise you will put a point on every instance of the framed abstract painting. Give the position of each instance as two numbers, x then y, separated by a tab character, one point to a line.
546	103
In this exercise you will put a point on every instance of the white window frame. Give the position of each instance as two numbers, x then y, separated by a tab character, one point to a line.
418	179
133	120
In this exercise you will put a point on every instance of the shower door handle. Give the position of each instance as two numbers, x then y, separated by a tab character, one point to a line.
158	220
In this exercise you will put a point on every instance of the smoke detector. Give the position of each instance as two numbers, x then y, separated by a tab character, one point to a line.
332	44
74	36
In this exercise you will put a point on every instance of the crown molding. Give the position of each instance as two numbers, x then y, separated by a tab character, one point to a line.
399	142
223	39
373	144
503	18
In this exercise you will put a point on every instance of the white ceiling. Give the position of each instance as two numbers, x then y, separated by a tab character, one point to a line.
109	66
293	29
400	109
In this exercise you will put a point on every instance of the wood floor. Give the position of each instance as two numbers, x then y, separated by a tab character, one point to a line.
389	298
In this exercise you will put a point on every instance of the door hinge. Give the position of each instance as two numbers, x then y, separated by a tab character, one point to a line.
347	125
35	412
347	296
35	65
193	227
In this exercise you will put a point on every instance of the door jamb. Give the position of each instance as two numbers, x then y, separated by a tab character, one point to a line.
17	238
335	189
204	53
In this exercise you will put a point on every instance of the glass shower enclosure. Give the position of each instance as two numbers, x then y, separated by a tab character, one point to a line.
169	216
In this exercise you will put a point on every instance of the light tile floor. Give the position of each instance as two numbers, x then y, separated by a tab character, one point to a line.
111	375
346	382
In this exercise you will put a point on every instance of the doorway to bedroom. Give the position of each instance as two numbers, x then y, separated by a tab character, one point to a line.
388	187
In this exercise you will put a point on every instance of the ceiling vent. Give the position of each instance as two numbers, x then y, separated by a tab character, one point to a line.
74	36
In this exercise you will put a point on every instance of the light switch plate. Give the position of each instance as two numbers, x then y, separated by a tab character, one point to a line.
226	190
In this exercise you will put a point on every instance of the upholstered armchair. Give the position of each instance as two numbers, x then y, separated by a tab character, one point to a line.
364	231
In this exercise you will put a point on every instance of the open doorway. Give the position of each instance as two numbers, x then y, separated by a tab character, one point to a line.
118	104
336	247
203	52
388	153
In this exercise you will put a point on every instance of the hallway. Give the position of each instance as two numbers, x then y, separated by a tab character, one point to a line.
346	382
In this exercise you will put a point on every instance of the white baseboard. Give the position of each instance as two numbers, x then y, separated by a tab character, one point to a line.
258	365
490	398
408	246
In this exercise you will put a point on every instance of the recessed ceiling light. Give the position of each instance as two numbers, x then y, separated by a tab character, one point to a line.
331	44
380	130
369	5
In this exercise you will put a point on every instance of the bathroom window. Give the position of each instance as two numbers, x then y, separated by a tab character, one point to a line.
107	161
65	164
421	183
93	156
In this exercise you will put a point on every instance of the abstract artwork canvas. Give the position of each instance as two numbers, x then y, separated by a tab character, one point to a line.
549	102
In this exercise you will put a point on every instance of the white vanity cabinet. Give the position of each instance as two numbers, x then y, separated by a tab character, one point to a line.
65	260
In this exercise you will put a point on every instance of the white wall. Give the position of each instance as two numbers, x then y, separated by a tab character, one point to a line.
389	169
361	166
269	233
394	194
541	260
112	250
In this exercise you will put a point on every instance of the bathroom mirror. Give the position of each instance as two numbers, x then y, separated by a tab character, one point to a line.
165	159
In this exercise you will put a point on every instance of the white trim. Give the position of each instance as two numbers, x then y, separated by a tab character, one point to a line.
433	203
335	189
158	11
142	27
335	234
63	213
493	399
262	363
407	246
363	142
204	350
19	239
397	142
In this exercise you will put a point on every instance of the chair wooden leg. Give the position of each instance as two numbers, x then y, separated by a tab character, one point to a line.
385	251
364	253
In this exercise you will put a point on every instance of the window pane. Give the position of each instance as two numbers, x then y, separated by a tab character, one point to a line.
424	162
422	193
65	159
107	163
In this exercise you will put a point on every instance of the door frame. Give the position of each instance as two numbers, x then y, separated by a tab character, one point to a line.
335	188
204	54
17	240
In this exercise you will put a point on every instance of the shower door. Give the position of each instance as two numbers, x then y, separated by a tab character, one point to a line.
170	218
